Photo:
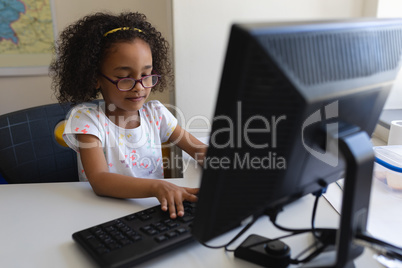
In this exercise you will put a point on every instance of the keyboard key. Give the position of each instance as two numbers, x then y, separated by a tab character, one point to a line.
125	242
161	238
181	230
130	233
125	229
171	234
150	211
94	243
144	217
172	224
146	229
111	223
103	237
113	246
187	218
119	237
108	241
152	232
97	231
167	221
130	217
162	228
102	250
136	238
109	229
156	225
120	225
114	233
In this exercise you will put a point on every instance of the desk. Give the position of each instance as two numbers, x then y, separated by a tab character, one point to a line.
37	221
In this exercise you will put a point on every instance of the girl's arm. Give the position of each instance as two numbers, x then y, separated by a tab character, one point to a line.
188	143
105	183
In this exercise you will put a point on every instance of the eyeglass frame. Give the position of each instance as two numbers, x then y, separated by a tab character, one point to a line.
115	82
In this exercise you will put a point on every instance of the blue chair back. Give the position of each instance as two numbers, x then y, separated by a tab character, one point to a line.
29	152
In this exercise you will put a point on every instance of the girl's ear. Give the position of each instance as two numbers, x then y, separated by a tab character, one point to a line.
98	84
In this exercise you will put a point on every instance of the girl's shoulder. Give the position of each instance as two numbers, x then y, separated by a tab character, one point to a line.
152	104
88	106
89	109
95	106
153	107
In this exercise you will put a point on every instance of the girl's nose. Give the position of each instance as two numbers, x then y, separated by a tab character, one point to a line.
138	86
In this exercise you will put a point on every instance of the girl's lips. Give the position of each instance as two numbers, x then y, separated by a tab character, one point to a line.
135	99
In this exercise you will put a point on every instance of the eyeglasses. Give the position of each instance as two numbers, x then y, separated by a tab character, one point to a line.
126	84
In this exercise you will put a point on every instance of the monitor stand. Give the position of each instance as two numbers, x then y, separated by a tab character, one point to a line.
357	150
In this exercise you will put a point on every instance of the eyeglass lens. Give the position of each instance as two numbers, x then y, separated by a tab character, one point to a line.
129	83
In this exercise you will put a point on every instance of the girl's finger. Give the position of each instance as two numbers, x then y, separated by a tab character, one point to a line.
172	208
164	206
179	205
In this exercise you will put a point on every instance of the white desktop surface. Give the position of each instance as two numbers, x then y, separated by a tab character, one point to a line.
37	221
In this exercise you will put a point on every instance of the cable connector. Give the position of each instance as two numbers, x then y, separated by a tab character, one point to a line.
323	190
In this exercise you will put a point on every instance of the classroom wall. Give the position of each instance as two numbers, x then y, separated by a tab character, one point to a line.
19	92
392	9
201	30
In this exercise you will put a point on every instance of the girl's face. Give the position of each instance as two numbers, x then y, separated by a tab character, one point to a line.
126	59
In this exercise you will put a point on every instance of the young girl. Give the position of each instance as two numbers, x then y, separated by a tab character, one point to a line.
118	144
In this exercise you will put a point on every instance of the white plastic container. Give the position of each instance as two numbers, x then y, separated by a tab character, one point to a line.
388	166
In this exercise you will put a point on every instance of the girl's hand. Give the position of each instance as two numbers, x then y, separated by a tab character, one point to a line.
172	196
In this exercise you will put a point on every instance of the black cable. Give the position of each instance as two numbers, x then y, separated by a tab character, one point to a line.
379	246
240	234
314	254
317	197
294	231
245	228
273	214
304	251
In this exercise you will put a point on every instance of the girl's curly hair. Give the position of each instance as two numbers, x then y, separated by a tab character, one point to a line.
82	47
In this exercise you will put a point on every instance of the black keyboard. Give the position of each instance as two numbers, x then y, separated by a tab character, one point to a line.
138	237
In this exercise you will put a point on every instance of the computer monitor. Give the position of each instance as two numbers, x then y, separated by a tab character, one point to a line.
296	106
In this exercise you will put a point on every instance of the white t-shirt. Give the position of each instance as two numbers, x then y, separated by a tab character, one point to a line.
132	152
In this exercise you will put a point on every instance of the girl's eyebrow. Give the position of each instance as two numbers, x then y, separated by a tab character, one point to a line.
124	68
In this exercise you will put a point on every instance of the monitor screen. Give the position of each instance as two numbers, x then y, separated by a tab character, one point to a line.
286	90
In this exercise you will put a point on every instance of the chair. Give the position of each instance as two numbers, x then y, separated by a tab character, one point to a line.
29	152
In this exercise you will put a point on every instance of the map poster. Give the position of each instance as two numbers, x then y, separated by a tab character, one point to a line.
27	36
